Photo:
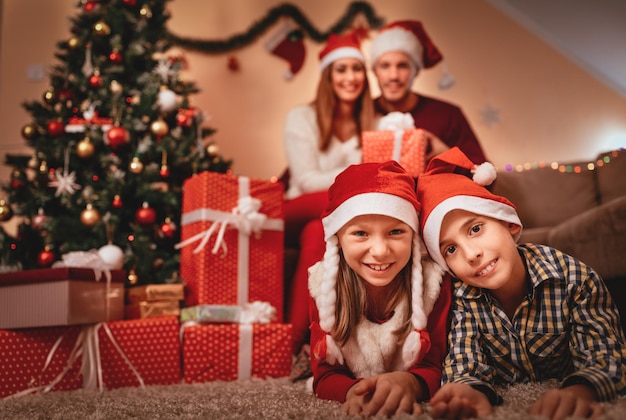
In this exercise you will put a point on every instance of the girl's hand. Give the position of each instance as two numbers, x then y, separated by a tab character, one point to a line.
573	401
385	394
459	401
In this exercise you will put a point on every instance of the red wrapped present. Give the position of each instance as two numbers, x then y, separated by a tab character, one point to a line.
39	360
407	147
232	241
140	352
60	296
229	352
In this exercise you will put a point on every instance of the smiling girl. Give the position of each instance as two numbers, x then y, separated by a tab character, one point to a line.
378	335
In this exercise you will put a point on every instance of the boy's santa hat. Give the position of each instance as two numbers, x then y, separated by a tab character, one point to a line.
371	188
453	182
409	37
341	46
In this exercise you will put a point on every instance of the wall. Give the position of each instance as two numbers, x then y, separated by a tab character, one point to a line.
549	109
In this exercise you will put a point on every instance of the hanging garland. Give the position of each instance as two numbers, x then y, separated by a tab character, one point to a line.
286	10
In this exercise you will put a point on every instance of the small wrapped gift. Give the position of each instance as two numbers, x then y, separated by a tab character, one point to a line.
155	292
232	241
254	312
60	296
152	309
396	139
229	352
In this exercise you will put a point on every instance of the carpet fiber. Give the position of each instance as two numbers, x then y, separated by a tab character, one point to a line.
253	399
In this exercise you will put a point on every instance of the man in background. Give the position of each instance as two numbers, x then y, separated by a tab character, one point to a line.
398	53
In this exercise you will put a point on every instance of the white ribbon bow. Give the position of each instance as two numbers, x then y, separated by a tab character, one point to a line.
245	217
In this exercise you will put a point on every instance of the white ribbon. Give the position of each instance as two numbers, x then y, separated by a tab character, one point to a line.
246	218
244	365
88	346
397	145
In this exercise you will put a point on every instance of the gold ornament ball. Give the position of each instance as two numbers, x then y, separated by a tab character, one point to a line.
116	87
85	149
90	216
50	96
135	166
133	278
145	11
101	28
29	131
5	211
33	162
159	127
213	149
72	42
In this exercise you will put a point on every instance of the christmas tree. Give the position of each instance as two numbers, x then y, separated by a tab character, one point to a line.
113	138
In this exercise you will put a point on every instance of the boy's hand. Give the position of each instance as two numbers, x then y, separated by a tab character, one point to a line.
385	394
573	401
459	401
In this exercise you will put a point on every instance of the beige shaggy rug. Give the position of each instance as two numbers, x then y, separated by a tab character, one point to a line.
251	399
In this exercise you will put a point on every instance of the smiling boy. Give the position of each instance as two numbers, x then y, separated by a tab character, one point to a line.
520	313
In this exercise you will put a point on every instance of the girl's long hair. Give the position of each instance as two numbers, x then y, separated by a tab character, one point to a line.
352	302
326	101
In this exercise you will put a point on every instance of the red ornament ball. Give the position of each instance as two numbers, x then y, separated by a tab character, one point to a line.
130	2
185	117
117	202
145	215
55	128
117	137
115	57
45	258
95	80
233	63
90	6
168	228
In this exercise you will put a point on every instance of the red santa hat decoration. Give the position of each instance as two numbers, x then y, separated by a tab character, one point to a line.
409	37
371	188
453	182
340	46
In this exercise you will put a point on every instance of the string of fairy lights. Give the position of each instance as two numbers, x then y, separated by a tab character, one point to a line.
577	168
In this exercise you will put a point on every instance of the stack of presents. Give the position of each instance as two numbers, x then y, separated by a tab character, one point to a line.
67	328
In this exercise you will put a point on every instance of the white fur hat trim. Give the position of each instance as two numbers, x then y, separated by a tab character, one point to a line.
397	39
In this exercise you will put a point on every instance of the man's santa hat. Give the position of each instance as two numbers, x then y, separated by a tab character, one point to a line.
453	182
409	37
341	46
371	188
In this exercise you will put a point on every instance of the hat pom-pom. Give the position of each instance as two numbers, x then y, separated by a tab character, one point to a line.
484	174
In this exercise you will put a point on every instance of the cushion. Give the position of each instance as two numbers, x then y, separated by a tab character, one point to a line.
597	237
546	197
611	176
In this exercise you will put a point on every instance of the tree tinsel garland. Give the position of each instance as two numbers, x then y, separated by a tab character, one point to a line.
287	10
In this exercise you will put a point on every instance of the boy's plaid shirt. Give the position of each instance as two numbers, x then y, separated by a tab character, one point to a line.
567	328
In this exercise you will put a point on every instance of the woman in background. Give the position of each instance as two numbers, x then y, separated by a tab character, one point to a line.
321	140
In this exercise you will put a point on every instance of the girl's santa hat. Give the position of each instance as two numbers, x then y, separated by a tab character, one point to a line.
370	188
409	37
341	46
453	182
